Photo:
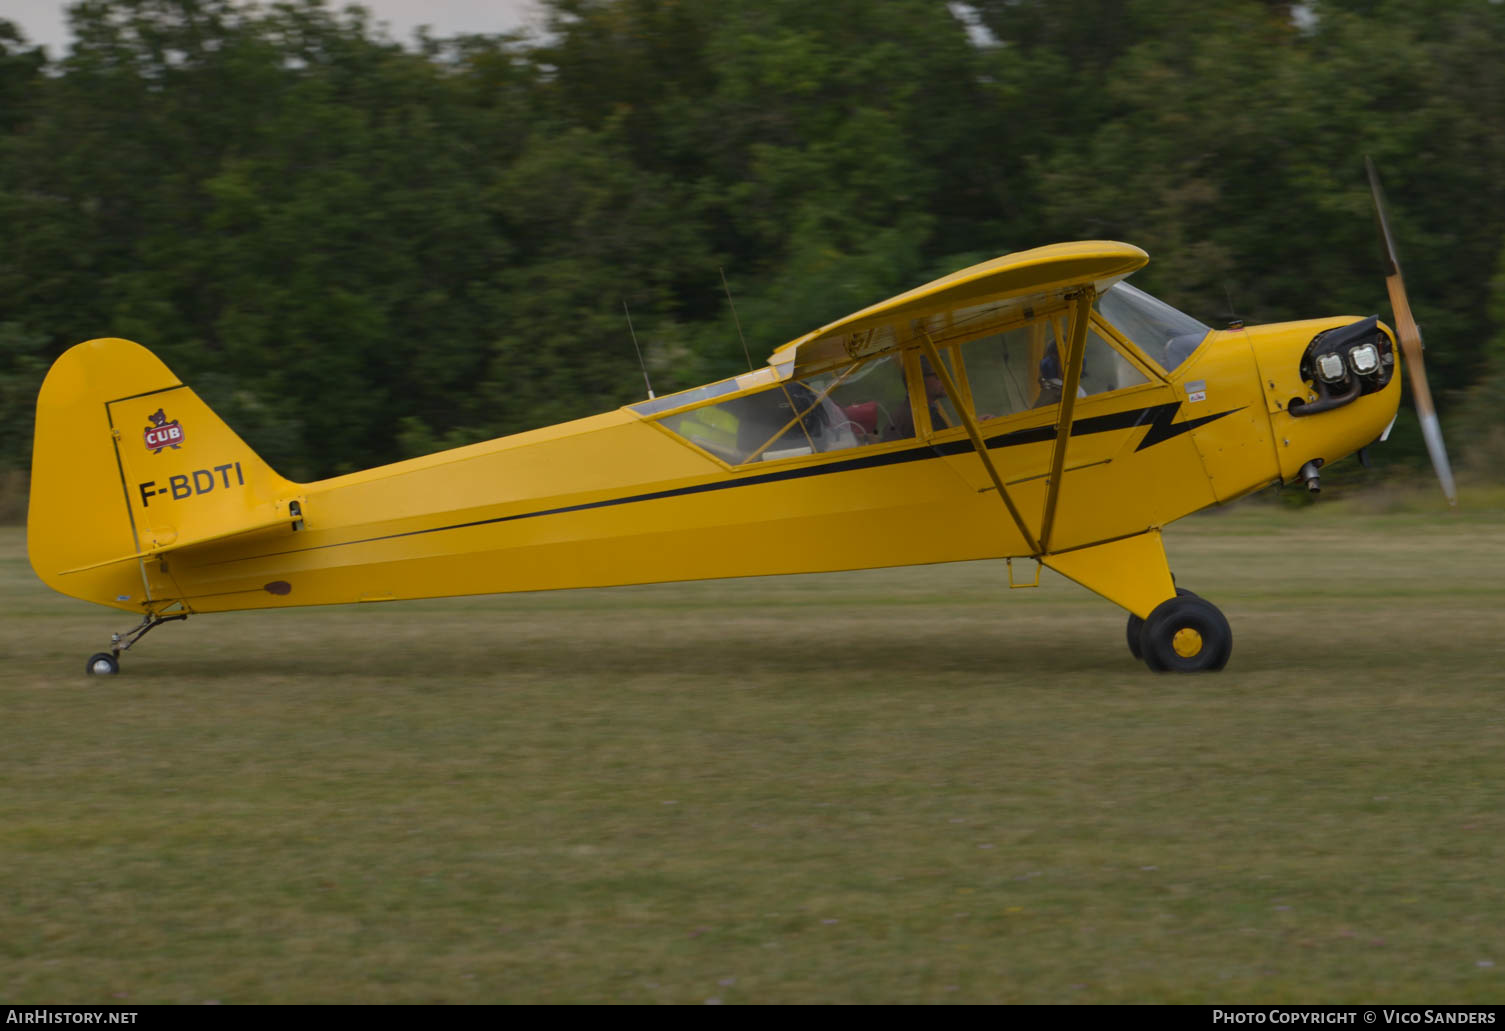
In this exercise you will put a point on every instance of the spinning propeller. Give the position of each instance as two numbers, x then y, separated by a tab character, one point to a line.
1410	345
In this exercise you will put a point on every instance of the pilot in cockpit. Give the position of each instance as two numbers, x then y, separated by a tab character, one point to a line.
1051	378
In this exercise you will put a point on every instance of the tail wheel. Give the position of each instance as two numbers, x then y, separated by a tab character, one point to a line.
1186	634
103	664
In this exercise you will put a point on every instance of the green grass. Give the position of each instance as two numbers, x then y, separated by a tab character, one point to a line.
890	786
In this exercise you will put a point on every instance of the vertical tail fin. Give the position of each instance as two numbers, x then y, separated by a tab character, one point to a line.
129	464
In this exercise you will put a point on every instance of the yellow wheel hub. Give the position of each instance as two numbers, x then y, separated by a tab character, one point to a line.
1187	642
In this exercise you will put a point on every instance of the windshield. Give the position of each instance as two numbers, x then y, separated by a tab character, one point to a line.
1165	334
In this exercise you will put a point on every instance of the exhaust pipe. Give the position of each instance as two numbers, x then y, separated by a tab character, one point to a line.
1310	477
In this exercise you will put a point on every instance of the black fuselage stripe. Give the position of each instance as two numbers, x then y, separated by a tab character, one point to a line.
1035	435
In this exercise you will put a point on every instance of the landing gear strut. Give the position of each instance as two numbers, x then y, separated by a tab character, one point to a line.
1186	634
103	664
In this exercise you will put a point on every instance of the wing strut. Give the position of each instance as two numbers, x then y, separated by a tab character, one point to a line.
970	420
1072	360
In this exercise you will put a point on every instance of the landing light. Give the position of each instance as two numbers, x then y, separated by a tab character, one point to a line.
1364	359
1330	367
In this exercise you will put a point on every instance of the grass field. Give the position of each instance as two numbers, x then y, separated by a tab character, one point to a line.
890	786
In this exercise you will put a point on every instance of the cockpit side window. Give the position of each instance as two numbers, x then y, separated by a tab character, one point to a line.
854	406
1020	368
1004	369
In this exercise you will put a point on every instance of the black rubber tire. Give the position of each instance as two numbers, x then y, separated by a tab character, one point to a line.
1186	612
102	664
1133	632
1135	629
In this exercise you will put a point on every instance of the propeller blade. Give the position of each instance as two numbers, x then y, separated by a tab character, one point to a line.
1409	335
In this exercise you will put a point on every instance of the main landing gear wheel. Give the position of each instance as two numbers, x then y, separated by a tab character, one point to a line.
1186	634
1135	629
103	664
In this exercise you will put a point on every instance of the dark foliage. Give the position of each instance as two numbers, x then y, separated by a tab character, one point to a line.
360	249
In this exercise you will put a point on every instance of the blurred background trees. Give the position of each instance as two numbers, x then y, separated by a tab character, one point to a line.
360	250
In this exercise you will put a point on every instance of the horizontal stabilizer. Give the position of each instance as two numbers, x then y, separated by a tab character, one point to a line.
282	521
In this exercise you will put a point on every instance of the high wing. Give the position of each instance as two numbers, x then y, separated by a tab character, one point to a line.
987	291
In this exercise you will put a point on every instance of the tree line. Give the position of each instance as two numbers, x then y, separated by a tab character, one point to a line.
360	249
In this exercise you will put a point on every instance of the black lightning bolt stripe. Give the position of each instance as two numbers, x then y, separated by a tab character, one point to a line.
1158	416
1161	427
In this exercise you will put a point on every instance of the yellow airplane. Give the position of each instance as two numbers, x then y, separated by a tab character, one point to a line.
1033	406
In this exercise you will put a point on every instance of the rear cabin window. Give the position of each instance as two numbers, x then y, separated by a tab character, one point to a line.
857	406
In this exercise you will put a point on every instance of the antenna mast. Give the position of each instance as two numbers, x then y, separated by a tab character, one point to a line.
738	321
1236	323
641	364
